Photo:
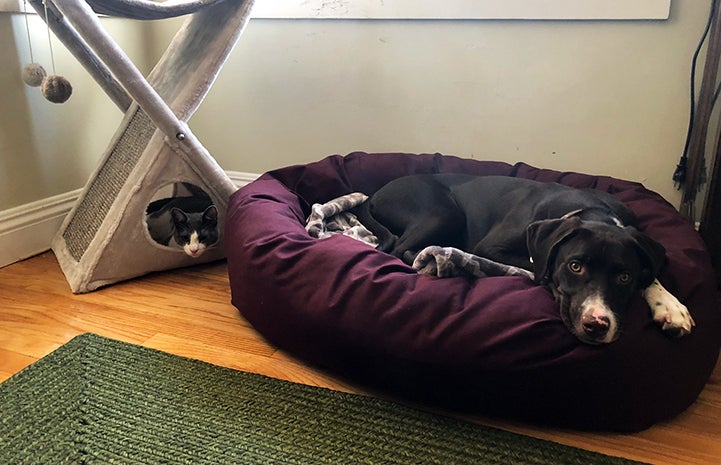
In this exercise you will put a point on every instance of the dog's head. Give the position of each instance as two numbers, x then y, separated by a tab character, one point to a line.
593	269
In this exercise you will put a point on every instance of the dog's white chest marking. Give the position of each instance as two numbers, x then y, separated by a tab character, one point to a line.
671	315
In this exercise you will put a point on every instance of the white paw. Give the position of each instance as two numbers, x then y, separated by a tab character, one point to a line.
671	315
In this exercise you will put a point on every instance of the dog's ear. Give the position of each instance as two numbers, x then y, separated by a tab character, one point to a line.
652	254
543	238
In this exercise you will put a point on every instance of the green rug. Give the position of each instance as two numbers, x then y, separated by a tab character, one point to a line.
96	400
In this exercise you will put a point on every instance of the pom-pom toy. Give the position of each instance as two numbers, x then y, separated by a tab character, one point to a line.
33	74
56	89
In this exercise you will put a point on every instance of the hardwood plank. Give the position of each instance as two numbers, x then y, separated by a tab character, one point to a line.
12	362
188	312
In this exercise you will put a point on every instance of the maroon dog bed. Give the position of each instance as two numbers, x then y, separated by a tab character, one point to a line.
493	345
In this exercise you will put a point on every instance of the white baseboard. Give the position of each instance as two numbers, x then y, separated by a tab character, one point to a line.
241	178
29	229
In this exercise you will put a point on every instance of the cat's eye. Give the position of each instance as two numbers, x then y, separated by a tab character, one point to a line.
576	266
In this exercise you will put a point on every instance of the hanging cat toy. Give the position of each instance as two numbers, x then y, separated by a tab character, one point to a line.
54	88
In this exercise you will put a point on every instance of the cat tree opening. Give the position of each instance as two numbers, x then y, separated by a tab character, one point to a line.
182	217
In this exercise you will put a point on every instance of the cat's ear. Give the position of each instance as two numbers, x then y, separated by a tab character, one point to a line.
210	214
178	215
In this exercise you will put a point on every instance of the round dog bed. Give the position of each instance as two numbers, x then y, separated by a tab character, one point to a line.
493	345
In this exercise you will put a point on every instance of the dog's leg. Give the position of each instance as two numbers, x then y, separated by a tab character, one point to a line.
673	316
505	245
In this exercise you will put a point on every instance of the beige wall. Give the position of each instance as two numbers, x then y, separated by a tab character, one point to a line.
599	97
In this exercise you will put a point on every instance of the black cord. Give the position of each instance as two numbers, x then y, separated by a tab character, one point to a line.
679	175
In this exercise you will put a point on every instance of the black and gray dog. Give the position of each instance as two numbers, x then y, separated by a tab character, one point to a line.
582	243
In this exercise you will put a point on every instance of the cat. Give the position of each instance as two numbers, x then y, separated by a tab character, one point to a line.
190	223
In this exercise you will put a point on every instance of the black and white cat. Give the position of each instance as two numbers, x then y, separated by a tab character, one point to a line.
190	223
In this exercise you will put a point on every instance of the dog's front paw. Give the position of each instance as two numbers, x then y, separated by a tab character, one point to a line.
671	315
674	318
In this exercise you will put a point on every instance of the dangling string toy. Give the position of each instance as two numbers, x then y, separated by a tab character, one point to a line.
34	73
54	88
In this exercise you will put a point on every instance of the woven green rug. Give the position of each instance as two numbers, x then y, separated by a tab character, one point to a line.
96	400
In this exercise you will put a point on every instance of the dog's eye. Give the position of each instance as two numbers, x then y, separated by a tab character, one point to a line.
624	277
575	266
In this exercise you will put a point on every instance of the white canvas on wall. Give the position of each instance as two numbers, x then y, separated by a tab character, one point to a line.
464	9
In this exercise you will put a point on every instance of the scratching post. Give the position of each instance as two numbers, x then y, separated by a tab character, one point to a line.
104	239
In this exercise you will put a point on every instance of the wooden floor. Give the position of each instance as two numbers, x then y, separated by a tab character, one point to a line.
188	312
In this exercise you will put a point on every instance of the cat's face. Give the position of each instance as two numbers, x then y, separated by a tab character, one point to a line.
195	232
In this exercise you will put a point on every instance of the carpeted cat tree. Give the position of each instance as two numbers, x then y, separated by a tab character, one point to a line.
105	239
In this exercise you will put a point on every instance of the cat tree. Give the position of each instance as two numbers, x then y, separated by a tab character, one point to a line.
104	239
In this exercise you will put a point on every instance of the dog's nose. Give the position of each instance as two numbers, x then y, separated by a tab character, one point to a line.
595	326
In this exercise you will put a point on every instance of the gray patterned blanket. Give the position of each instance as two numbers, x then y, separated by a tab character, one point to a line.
334	217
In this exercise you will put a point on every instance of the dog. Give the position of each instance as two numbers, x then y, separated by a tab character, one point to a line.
582	243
